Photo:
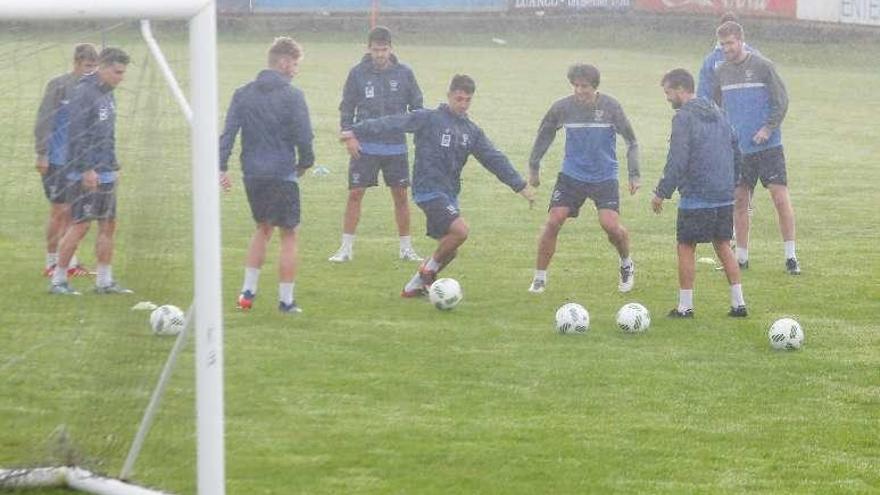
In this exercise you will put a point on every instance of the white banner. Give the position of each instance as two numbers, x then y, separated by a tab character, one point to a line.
865	12
819	10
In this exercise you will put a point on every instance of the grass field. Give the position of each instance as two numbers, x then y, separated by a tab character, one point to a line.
368	393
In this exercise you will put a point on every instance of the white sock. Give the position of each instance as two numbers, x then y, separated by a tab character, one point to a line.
626	262
105	275
432	265
59	276
74	261
347	242
742	254
736	295
51	259
251	277
414	283
405	242
285	292
541	275
685	300
789	249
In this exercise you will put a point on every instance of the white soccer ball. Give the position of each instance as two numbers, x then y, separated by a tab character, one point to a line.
633	318
572	318
786	333
445	293
167	320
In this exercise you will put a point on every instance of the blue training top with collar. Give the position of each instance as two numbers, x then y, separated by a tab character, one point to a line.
92	130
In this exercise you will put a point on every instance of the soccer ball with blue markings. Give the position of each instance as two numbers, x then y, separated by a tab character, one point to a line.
633	318
445	294
167	320
572	319
786	334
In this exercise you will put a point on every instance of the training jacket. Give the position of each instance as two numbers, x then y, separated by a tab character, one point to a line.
590	138
753	96
707	81
275	128
53	117
443	143
370	93
92	130
704	160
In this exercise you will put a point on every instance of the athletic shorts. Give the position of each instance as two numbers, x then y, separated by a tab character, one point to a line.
440	213
364	171
571	193
273	201
768	165
92	205
56	185
705	224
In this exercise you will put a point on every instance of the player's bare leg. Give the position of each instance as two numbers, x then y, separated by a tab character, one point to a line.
741	223
686	270
401	216
287	268
618	236
350	221
731	270
785	212
256	255
547	246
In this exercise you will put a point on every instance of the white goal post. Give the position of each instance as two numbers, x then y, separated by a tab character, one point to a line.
201	15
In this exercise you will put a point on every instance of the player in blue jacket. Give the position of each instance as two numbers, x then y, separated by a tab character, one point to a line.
707	80
591	121
92	171
754	97
276	148
703	164
444	139
379	85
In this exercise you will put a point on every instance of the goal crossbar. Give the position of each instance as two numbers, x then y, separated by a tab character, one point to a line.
102	9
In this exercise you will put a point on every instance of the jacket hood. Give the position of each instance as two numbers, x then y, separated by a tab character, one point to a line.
268	80
703	109
367	60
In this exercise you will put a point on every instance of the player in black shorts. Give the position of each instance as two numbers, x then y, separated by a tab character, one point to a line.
276	141
703	164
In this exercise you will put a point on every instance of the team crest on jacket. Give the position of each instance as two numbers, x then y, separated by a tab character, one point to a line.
394	84
368	90
599	114
465	139
749	74
104	112
446	139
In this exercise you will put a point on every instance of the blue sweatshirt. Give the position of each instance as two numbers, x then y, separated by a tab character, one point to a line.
443	143
92	130
704	160
753	96
707	81
370	93
50	131
590	138
275	128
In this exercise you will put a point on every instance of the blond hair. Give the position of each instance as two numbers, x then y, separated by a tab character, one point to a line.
284	46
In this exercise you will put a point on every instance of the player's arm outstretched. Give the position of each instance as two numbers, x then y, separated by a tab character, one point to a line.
407	122
546	134
497	162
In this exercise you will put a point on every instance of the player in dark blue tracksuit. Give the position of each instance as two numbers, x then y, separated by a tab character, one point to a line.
703	164
92	165
378	86
444	139
276	148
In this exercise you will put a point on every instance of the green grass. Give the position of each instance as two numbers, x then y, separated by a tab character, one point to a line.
368	393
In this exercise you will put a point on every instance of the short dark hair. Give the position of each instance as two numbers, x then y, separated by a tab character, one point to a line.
728	16
461	82
380	35
85	51
284	46
678	79
584	71
110	56
730	28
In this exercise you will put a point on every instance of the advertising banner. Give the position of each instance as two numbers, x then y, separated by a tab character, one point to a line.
364	6
818	10
567	6
860	12
772	8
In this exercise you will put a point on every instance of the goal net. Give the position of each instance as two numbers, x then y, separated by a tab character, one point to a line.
80	371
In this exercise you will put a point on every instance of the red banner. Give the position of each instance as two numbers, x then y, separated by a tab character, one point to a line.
772	8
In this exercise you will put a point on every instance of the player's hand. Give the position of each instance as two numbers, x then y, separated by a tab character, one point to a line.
657	204
529	193
352	145
90	180
762	135
634	184
225	183
534	177
42	164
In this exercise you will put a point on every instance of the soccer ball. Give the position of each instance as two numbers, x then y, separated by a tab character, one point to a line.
167	320
572	318
786	333
445	294
633	318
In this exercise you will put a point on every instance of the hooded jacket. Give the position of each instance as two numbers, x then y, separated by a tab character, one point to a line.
92	130
443	142
276	133
704	160
370	93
